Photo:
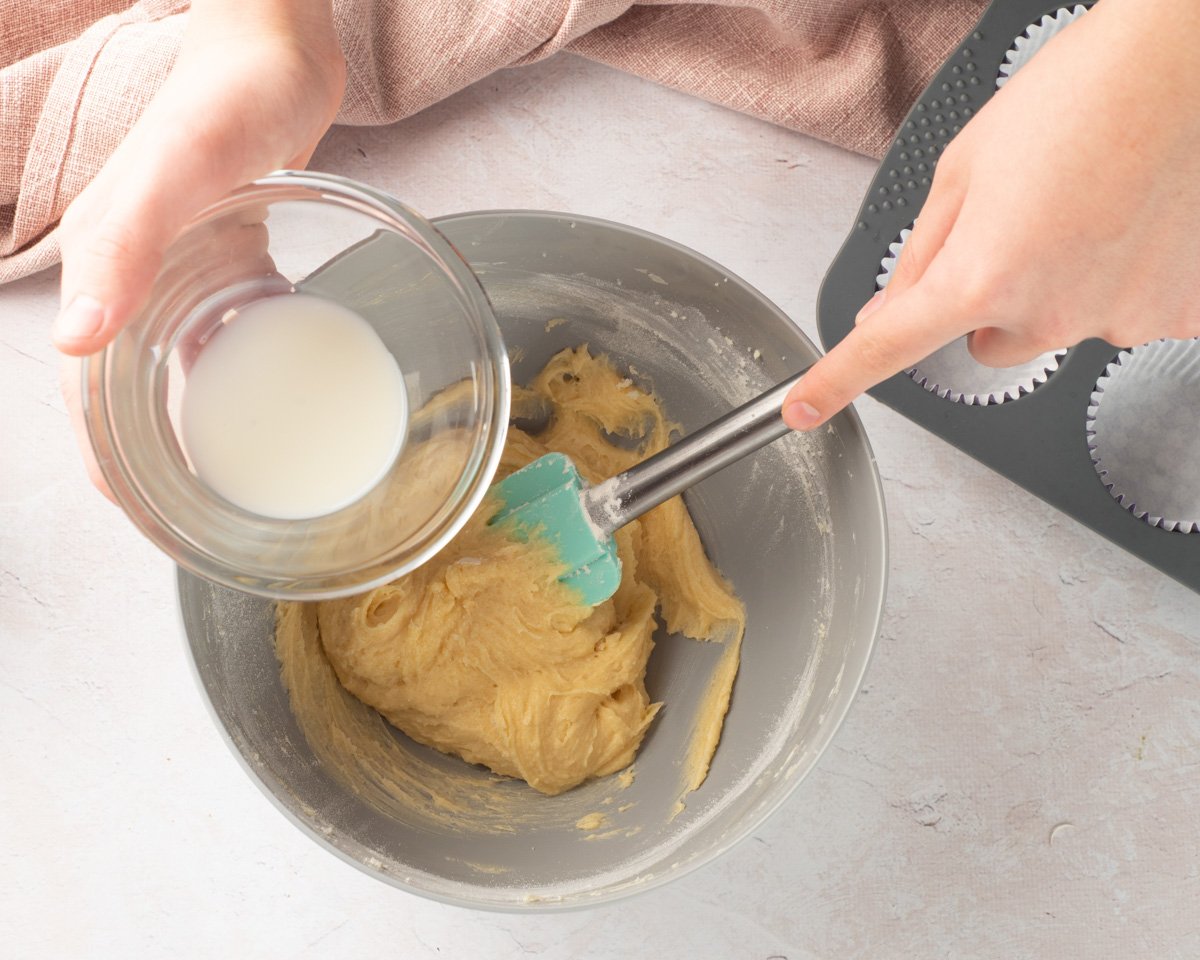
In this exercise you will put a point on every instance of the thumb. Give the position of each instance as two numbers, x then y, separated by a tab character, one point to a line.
904	330
108	271
115	233
113	237
113	240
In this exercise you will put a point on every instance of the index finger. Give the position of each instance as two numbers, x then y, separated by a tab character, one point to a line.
903	331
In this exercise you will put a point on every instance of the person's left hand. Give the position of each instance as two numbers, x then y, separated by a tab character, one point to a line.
256	85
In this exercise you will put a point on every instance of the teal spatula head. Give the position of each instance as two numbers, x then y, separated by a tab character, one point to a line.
548	498
544	501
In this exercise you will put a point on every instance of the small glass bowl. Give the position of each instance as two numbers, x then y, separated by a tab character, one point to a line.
345	242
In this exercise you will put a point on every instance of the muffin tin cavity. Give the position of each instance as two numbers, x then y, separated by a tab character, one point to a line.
1144	435
1034	38
953	374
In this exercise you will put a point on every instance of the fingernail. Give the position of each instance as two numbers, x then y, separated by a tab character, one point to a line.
81	320
871	306
800	415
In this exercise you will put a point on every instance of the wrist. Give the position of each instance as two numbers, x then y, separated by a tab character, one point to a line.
303	26
280	12
310	20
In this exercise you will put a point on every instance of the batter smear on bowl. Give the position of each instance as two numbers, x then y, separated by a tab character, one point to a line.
483	654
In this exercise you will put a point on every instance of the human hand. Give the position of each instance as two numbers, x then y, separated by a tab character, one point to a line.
1065	209
256	85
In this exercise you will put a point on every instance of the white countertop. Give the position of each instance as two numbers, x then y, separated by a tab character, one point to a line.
1019	777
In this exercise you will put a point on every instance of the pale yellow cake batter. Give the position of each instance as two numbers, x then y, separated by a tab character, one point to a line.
483	654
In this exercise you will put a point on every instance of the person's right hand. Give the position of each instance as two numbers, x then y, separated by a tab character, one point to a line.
256	85
1065	209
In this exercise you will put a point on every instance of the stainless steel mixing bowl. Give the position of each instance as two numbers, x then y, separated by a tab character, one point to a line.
799	529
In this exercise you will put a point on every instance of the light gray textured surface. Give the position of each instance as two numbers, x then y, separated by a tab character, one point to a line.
1020	776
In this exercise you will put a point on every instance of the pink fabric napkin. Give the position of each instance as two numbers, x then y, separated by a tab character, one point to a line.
76	74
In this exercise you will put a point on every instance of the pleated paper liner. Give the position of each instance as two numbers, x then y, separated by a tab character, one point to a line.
1143	429
1035	37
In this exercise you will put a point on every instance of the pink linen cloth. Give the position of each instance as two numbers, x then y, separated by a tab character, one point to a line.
76	74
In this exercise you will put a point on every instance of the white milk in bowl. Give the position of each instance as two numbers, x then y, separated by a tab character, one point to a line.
294	408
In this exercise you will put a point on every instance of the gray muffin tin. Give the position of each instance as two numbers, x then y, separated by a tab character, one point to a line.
1039	439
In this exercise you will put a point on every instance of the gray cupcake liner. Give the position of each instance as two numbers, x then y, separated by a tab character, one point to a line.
1034	38
1143	432
953	374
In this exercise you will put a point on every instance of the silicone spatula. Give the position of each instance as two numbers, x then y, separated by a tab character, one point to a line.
548	498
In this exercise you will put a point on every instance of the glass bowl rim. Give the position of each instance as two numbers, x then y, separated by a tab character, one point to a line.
113	465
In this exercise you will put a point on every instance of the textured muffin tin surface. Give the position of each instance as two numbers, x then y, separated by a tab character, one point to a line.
1042	439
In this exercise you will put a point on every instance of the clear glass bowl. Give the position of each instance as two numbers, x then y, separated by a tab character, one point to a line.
331	237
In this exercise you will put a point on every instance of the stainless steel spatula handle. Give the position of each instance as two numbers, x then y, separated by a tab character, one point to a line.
625	497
